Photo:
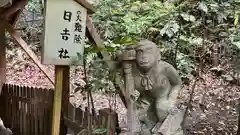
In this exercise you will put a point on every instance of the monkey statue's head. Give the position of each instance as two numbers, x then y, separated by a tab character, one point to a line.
147	55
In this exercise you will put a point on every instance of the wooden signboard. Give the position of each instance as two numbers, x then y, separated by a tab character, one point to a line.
64	32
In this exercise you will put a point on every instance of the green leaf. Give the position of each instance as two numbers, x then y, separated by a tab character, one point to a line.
188	17
100	131
235	40
237	44
197	41
223	34
170	29
202	6
109	49
127	40
236	17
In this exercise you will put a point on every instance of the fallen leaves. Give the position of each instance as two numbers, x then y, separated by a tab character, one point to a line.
215	111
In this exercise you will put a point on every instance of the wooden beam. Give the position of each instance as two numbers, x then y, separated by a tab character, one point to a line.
2	58
90	8
15	17
92	31
97	39
18	8
17	38
74	126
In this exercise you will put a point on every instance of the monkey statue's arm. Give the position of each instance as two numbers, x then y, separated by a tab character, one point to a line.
19	4
175	81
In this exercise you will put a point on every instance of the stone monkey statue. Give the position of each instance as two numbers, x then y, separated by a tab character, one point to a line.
158	84
3	130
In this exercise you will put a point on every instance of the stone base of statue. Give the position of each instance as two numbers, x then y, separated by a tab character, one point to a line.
172	124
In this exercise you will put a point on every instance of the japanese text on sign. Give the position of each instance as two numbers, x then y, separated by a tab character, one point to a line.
64	34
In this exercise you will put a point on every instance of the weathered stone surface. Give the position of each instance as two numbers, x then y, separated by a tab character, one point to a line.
158	85
172	124
4	130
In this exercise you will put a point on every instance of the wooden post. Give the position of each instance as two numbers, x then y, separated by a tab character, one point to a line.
2	58
127	67
57	102
128	58
2	66
65	98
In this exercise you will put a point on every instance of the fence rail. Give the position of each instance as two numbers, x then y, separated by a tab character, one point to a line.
28	111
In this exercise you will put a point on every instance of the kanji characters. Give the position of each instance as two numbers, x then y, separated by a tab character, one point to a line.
78	27
63	53
67	15
65	34
79	16
77	39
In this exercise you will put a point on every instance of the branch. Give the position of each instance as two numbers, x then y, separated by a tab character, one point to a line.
196	78
17	38
190	101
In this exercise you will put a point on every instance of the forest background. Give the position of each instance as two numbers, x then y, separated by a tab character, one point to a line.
200	38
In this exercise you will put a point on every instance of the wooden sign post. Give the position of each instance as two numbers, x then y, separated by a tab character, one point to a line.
64	38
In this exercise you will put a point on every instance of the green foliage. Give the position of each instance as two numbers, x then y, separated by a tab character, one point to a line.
36	5
235	37
175	27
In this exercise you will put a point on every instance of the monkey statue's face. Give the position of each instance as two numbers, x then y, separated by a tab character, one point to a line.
146	57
